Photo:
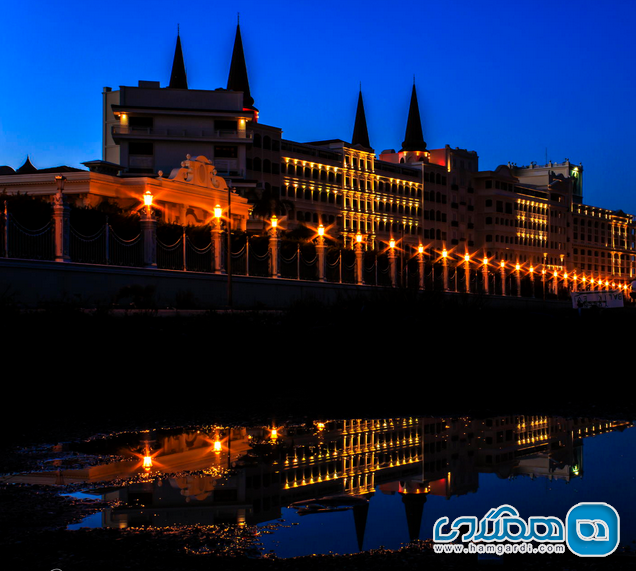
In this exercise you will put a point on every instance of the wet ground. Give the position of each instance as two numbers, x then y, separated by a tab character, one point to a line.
80	375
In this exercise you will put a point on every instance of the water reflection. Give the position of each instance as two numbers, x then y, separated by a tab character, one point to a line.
315	473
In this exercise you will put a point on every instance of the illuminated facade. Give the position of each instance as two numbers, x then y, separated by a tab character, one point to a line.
528	220
187	195
510	221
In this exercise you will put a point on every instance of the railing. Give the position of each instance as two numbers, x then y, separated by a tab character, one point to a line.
269	256
193	133
20	242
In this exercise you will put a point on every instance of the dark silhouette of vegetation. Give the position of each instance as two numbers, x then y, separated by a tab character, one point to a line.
30	211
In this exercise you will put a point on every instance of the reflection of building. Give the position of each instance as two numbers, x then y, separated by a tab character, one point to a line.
411	457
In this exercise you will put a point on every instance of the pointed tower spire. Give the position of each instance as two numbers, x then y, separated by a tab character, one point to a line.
360	133
178	77
414	139
27	167
237	80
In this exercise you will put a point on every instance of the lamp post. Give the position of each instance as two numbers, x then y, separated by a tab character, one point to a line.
274	248
518	276
320	249
149	231
485	272
216	237
420	264
502	268
445	268
359	258
543	281
532	280
467	271
392	263
61	222
228	263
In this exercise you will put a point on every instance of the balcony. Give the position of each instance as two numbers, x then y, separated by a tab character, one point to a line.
175	134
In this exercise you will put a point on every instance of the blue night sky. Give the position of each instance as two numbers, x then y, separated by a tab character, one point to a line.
510	80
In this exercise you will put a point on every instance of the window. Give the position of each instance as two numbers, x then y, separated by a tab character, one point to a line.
227	152
139	148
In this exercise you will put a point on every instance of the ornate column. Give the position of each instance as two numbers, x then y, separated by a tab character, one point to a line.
61	221
518	277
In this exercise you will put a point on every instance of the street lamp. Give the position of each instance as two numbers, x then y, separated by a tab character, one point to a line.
148	200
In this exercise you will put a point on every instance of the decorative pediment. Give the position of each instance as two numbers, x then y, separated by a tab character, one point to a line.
198	171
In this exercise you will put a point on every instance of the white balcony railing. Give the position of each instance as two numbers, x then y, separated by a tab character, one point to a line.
178	133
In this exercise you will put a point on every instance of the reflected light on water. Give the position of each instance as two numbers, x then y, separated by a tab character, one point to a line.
334	480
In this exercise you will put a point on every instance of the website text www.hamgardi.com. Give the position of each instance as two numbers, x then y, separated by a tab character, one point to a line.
498	548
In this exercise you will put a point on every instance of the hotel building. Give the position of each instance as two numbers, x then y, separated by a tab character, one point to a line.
530	217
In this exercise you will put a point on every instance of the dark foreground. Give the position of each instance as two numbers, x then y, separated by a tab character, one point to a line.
76	374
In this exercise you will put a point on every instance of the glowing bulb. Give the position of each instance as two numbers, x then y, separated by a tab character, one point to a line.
147	463
321	230
148	198
274	221
217	211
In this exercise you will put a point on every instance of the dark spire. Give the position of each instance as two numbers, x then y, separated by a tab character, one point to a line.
237	80
27	167
178	77
360	132
414	139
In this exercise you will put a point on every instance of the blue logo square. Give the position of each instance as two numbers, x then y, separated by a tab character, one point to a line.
592	529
